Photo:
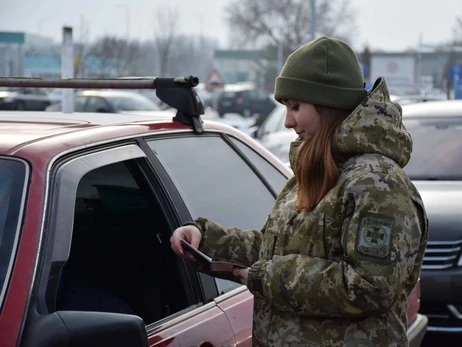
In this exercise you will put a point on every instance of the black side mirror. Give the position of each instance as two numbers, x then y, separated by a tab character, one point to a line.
101	110
85	329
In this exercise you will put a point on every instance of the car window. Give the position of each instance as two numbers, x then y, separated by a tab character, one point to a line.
215	181
275	178
120	260
39	91
13	178
96	104
274	122
261	94
229	95
437	148
131	103
79	103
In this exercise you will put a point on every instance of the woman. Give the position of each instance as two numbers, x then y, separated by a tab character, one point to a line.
343	247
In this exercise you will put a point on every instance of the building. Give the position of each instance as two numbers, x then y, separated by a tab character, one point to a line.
17	47
239	65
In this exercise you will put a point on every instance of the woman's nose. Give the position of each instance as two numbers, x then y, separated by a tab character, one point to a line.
289	121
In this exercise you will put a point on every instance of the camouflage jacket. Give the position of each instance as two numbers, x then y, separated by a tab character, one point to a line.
339	275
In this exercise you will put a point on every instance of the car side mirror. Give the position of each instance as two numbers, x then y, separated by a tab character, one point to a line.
85	329
101	110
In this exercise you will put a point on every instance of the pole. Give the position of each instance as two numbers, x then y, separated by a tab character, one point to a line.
419	63
313	19
67	69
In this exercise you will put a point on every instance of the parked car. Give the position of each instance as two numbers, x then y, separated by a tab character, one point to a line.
273	135
89	203
108	101
245	100
23	99
436	170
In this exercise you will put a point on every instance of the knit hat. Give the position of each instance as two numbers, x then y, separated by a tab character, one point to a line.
323	72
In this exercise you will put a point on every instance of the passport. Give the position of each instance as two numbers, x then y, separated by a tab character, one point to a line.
220	269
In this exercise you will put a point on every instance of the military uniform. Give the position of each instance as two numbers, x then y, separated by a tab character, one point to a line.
338	275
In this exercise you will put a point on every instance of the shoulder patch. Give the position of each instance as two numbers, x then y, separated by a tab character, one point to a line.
374	235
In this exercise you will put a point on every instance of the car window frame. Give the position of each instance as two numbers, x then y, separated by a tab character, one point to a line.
60	213
14	249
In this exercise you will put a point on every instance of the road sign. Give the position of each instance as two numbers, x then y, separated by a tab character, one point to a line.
455	72
214	80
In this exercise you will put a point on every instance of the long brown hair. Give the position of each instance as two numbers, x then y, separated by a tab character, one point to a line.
316	170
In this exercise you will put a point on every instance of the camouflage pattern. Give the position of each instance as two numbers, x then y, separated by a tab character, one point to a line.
339	275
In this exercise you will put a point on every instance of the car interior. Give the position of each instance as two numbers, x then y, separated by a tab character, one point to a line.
120	259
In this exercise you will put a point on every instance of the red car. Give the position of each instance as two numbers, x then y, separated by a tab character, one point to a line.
87	205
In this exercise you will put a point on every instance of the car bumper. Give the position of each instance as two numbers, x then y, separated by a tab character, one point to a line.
417	330
440	299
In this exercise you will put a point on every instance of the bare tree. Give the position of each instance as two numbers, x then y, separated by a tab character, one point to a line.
288	22
112	55
166	27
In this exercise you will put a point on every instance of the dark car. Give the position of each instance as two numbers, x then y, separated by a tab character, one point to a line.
23	99
246	101
109	101
436	170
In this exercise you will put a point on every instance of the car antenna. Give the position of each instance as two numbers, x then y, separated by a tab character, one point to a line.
176	92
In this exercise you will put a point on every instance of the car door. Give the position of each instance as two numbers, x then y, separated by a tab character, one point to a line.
224	179
108	250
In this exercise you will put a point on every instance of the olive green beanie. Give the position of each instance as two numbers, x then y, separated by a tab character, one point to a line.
323	72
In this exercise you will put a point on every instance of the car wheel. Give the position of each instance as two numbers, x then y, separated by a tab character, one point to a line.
20	106
246	113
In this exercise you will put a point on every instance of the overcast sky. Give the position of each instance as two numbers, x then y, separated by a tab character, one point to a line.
383	24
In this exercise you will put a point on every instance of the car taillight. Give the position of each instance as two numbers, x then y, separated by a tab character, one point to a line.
240	100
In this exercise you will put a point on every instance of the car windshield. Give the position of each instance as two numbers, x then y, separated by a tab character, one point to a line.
132	103
12	193
437	149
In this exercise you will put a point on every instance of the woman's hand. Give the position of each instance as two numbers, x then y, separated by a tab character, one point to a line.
189	233
241	274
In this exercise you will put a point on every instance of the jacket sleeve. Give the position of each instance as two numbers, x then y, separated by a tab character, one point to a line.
383	241
230	244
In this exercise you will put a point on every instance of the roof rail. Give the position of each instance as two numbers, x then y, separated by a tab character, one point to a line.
176	92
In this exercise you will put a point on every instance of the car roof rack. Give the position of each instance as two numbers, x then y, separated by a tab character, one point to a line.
176	92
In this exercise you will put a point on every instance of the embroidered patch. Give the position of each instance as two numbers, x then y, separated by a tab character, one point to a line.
374	235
